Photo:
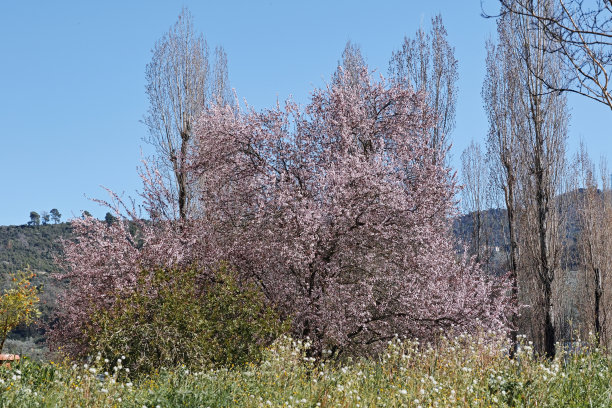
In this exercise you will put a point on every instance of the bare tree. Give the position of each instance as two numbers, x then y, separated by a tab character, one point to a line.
594	211
544	139
531	153
221	91
581	33
500	94
427	62
475	178
179	88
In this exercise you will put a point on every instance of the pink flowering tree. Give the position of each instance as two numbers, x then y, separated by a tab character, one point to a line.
338	212
341	214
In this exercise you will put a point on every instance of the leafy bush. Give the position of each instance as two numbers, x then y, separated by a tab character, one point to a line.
17	304
178	316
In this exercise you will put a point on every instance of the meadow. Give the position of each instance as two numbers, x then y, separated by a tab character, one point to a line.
463	371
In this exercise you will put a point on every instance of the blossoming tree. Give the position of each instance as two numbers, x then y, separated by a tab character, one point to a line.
341	213
338	212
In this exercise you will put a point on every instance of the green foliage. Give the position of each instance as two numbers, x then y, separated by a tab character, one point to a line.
175	316
17	304
110	218
55	215
34	218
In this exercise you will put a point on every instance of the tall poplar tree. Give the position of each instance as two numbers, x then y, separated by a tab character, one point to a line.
528	131
179	87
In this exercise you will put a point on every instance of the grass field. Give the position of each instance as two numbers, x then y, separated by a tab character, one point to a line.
463	371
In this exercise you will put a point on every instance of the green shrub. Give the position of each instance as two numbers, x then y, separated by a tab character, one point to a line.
18	304
177	316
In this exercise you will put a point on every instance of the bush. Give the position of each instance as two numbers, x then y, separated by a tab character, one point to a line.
17	304
177	316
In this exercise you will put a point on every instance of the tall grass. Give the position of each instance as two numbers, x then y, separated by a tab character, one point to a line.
463	371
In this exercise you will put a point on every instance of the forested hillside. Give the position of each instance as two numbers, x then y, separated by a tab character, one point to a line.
35	246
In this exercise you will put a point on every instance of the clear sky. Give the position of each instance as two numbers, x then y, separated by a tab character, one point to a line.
72	80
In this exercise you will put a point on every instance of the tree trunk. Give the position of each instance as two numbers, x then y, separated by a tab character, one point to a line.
549	329
513	264
181	176
598	292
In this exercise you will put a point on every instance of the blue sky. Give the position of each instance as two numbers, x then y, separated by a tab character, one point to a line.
72	80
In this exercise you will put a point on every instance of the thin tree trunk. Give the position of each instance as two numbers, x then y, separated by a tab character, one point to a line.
549	329
513	263
598	292
181	177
